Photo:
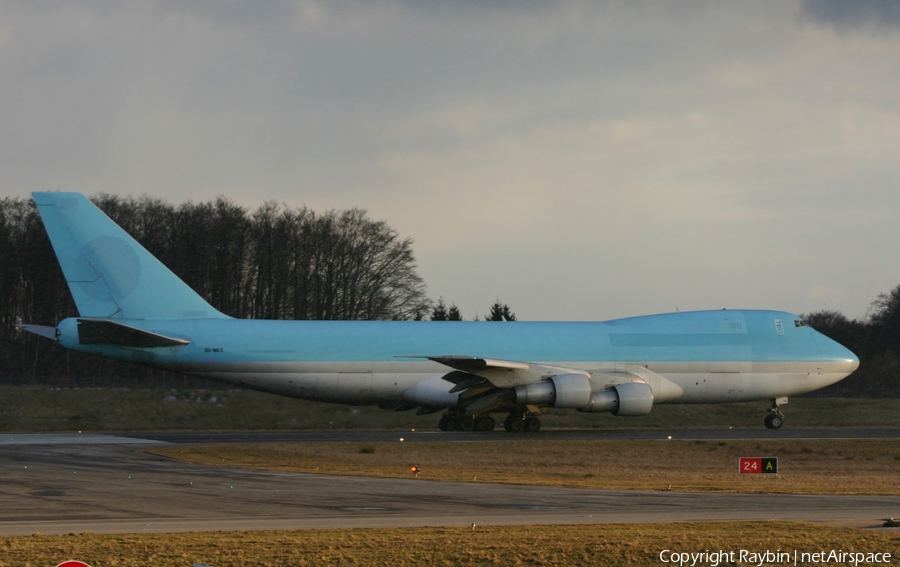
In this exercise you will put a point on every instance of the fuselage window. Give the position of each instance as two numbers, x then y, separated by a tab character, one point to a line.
800	323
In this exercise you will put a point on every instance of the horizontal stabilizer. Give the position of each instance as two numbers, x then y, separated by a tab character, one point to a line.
106	332
47	332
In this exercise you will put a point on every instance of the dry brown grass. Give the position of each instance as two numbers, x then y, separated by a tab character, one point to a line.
805	467
494	545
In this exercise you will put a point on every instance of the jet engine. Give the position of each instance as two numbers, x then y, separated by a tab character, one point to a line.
560	391
574	391
630	398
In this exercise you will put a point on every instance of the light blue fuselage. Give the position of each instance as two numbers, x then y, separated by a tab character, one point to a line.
713	356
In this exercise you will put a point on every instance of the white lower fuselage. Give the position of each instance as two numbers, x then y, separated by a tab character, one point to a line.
702	357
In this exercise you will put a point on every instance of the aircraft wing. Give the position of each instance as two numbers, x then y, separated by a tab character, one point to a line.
488	384
499	373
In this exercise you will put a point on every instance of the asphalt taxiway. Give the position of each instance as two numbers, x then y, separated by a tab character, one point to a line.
361	436
70	483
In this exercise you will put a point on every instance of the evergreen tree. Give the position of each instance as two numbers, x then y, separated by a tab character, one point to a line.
453	314
439	313
500	312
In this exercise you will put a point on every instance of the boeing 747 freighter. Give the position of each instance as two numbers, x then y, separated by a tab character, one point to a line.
131	307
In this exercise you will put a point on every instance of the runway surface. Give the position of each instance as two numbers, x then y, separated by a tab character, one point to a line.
756	433
70	483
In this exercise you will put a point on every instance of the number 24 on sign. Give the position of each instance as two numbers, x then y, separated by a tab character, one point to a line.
758	465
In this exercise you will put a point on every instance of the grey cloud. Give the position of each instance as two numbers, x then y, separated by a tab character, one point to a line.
850	14
561	108
232	12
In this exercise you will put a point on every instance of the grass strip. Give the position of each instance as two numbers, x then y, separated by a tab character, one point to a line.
33	409
805	467
616	544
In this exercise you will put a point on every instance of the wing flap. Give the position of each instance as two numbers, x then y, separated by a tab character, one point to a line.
500	373
471	381
472	364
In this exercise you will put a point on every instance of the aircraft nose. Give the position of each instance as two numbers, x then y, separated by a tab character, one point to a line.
854	360
838	355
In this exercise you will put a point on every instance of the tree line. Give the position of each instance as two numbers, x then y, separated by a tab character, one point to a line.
274	262
498	312
874	338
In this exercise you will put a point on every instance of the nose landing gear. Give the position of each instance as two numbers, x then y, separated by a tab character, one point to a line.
775	419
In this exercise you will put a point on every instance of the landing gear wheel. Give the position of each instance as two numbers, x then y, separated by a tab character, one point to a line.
507	423
467	423
516	425
484	423
532	425
452	424
444	423
774	421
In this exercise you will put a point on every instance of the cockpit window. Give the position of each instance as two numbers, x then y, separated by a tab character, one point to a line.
800	323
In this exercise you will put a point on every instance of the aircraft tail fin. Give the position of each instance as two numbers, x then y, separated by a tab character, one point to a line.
109	274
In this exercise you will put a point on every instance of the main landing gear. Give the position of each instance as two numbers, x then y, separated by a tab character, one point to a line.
775	419
518	421
456	421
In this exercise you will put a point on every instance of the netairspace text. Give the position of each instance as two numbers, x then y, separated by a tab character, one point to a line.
709	558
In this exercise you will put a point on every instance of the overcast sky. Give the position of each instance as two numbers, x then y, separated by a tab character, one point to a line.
577	160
